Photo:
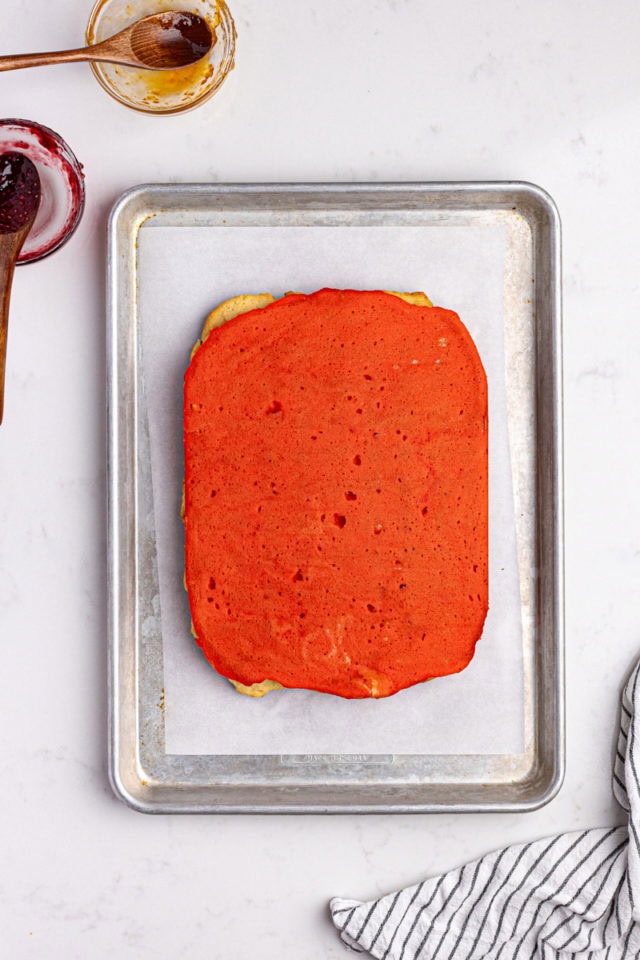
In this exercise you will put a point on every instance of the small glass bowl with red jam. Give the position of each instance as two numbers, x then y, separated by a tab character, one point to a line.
61	182
163	91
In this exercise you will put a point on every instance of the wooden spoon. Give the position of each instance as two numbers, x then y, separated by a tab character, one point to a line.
19	202
162	41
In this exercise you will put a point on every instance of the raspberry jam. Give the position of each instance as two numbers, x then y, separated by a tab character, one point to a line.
61	185
19	192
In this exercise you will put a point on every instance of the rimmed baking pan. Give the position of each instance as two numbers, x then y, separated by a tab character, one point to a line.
490	738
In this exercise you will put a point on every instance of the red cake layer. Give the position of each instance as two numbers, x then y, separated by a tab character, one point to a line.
336	505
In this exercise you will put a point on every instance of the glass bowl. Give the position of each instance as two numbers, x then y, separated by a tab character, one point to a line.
163	91
61	181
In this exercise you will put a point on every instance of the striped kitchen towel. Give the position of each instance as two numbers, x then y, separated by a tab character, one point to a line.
577	893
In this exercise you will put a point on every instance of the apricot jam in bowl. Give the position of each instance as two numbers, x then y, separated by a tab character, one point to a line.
163	91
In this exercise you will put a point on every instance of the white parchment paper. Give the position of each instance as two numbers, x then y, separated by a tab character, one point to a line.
183	272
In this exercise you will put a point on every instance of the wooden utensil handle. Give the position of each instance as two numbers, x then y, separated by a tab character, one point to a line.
23	60
10	246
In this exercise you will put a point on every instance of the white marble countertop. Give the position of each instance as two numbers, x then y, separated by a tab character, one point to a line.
394	90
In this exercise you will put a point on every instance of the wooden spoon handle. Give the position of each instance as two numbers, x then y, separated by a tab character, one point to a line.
10	246
22	60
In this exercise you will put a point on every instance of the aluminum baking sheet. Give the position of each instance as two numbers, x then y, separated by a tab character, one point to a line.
491	738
